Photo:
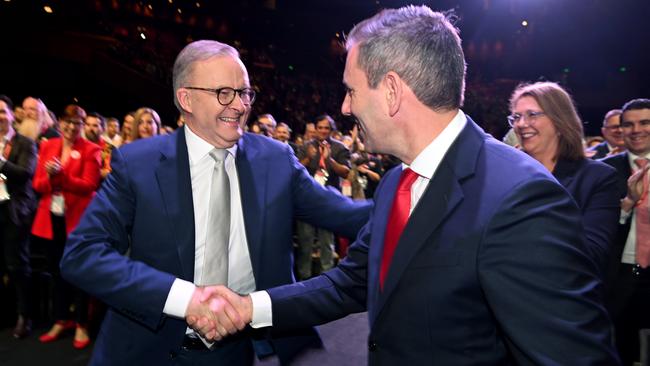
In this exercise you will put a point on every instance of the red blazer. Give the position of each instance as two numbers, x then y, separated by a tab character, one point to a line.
78	180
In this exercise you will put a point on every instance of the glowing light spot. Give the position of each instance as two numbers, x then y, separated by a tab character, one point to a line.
142	35
524	23
48	9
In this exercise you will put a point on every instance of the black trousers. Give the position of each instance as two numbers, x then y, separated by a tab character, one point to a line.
14	241
64	294
630	309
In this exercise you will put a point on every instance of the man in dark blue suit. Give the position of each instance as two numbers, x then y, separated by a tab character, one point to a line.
490	267
143	242
629	275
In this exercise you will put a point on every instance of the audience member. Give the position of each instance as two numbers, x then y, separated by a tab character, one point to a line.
146	123
547	124
67	175
613	134
629	295
17	205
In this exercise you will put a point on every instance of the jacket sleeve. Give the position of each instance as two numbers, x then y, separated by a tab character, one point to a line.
23	169
549	313
95	257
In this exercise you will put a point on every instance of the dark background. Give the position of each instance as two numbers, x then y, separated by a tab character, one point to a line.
93	52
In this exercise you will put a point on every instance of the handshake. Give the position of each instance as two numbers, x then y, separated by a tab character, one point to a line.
216	312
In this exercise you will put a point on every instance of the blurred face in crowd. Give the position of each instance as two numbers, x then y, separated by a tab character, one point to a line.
93	128
310	131
6	117
71	129
282	133
112	128
612	131
323	129
267	125
636	131
127	125
536	132
32	108
220	125
147	126
365	105
19	113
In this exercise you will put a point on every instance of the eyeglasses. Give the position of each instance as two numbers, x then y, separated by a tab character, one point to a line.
614	127
73	122
528	116
226	95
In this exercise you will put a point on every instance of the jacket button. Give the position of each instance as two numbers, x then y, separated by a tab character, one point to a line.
372	346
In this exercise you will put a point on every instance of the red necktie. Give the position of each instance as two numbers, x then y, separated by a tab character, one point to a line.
399	215
642	218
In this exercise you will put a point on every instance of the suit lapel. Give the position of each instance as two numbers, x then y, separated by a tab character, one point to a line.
175	185
443	194
380	219
252	171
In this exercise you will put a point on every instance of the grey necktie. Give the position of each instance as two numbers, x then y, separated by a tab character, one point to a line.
215	262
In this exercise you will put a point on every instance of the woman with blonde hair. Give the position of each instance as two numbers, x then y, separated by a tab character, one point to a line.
146	123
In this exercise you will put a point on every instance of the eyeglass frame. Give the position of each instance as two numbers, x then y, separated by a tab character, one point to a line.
217	92
528	116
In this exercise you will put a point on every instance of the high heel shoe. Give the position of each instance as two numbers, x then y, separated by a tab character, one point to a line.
81	343
53	334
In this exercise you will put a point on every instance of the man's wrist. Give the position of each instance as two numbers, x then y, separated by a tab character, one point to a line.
627	203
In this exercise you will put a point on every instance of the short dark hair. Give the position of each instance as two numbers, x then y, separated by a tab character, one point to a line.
101	118
634	104
7	101
327	118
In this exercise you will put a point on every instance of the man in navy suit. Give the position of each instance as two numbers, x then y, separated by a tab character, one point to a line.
141	244
629	275
490	267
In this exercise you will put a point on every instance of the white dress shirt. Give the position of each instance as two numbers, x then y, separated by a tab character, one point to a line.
425	165
240	269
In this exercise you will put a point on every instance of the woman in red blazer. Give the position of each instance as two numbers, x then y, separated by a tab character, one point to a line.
67	175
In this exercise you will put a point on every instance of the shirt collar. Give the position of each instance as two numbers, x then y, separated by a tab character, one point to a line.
427	161
631	157
198	148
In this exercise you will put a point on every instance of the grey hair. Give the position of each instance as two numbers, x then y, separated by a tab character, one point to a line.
422	46
194	52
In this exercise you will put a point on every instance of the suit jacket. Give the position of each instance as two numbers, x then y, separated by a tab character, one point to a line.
621	163
490	270
145	207
19	169
77	181
594	186
601	150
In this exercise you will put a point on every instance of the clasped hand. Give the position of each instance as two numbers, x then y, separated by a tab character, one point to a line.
216	312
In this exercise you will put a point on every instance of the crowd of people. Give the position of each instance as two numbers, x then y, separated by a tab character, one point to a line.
53	165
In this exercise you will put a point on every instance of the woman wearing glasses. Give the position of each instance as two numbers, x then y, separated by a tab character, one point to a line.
67	175
549	129
146	123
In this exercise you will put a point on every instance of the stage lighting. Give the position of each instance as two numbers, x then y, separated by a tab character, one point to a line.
524	23
48	9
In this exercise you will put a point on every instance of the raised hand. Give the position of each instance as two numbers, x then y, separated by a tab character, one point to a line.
227	312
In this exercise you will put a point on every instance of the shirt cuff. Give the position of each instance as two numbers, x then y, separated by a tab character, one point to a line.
624	216
180	295
262	310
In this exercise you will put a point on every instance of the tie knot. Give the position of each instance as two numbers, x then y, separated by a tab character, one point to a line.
641	163
219	155
407	179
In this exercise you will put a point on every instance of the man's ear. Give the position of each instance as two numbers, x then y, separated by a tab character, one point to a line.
184	100
394	89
